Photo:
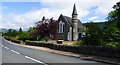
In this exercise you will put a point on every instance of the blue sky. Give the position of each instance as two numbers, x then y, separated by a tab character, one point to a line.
20	7
25	14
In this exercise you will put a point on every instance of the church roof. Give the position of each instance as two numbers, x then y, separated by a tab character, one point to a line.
68	20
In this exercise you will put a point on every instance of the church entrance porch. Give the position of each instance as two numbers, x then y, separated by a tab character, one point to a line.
79	35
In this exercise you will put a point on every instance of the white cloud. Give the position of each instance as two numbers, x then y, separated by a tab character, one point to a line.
104	8
0	16
92	18
20	0
55	8
28	19
0	21
96	21
1	25
99	21
2	7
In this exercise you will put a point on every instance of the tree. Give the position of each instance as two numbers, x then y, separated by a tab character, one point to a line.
46	28
53	28
42	30
30	30
20	31
1	33
9	33
111	34
93	34
114	16
26	35
14	33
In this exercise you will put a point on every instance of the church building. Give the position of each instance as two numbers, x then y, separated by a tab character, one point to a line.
70	28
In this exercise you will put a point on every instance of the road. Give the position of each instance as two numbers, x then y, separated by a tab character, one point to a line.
17	54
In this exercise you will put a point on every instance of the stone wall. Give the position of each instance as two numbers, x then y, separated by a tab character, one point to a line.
113	52
94	50
12	40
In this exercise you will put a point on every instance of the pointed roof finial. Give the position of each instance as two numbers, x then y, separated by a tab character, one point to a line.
74	10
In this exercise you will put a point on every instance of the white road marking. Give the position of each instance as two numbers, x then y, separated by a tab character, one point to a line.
2	45
6	47
15	52
35	60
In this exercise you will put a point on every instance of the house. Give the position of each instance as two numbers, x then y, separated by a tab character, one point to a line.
70	28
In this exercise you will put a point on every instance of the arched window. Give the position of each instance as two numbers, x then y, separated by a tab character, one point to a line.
61	27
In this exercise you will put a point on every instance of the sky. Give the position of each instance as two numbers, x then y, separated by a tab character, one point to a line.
19	13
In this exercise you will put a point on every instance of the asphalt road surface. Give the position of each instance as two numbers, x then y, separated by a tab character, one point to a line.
17	54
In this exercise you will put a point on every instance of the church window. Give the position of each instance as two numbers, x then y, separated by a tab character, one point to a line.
61	27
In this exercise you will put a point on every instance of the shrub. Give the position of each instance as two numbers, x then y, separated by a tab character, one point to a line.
93	35
16	38
25	35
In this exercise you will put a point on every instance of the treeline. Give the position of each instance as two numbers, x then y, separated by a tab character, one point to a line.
20	35
12	32
44	30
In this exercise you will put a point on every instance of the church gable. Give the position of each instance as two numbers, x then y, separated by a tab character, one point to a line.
66	20
63	27
70	28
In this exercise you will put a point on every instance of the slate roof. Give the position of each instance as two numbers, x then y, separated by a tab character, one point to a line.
69	21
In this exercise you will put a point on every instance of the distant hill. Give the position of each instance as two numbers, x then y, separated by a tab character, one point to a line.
101	24
4	30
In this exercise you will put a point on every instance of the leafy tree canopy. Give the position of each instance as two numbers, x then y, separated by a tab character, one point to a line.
112	31
46	28
93	34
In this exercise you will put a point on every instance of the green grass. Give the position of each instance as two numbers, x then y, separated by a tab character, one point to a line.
27	40
79	42
24	43
11	37
76	43
40	41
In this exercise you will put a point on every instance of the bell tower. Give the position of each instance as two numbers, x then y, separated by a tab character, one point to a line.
75	24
